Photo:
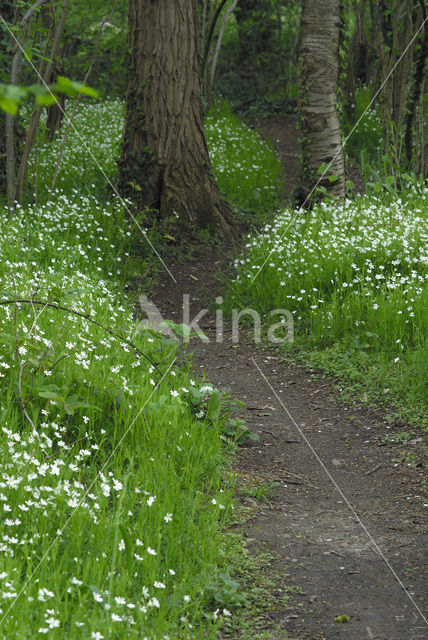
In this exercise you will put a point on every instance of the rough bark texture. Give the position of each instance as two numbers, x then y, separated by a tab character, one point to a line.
417	88
318	68
165	163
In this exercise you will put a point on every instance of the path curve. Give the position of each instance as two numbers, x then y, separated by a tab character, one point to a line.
317	542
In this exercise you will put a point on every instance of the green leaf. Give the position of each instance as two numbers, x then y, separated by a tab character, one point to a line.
65	84
56	294
28	54
46	100
9	106
85	90
15	93
50	395
214	406
342	619
37	90
323	168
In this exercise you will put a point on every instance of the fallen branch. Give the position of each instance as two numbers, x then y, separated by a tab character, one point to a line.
327	384
370	471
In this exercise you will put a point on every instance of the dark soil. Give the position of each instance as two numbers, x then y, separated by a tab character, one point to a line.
348	559
282	133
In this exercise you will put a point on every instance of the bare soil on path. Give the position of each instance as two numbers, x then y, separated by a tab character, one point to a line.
317	542
347	559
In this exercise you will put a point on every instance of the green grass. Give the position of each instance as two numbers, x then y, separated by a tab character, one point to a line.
246	168
365	143
111	473
90	155
112	451
112	476
354	277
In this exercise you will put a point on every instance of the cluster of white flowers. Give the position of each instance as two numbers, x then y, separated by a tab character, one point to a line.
93	143
362	264
245	166
97	492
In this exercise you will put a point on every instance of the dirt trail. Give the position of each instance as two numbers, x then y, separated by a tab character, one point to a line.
317	540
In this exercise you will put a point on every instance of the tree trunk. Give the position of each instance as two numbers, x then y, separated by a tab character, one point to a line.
417	88
165	163
318	67
7	11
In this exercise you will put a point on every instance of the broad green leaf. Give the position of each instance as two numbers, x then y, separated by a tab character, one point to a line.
85	90
37	90
50	395
9	106
46	100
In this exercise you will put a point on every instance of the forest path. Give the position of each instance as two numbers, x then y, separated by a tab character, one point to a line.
283	135
317	542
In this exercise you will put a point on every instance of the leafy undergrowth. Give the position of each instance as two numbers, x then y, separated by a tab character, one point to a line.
261	610
111	461
246	168
111	456
354	278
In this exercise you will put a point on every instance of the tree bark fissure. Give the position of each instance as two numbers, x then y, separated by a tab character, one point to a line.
165	163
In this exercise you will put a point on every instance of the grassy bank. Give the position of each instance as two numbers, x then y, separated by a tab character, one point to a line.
354	277
111	464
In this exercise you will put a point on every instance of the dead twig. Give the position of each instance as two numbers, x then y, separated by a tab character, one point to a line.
300	478
370	471
327	384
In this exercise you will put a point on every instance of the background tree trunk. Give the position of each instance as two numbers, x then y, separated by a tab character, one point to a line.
416	90
165	163
318	67
7	11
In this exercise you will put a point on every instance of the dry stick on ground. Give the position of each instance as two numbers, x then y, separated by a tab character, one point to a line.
327	384
370	471
86	316
35	116
79	95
